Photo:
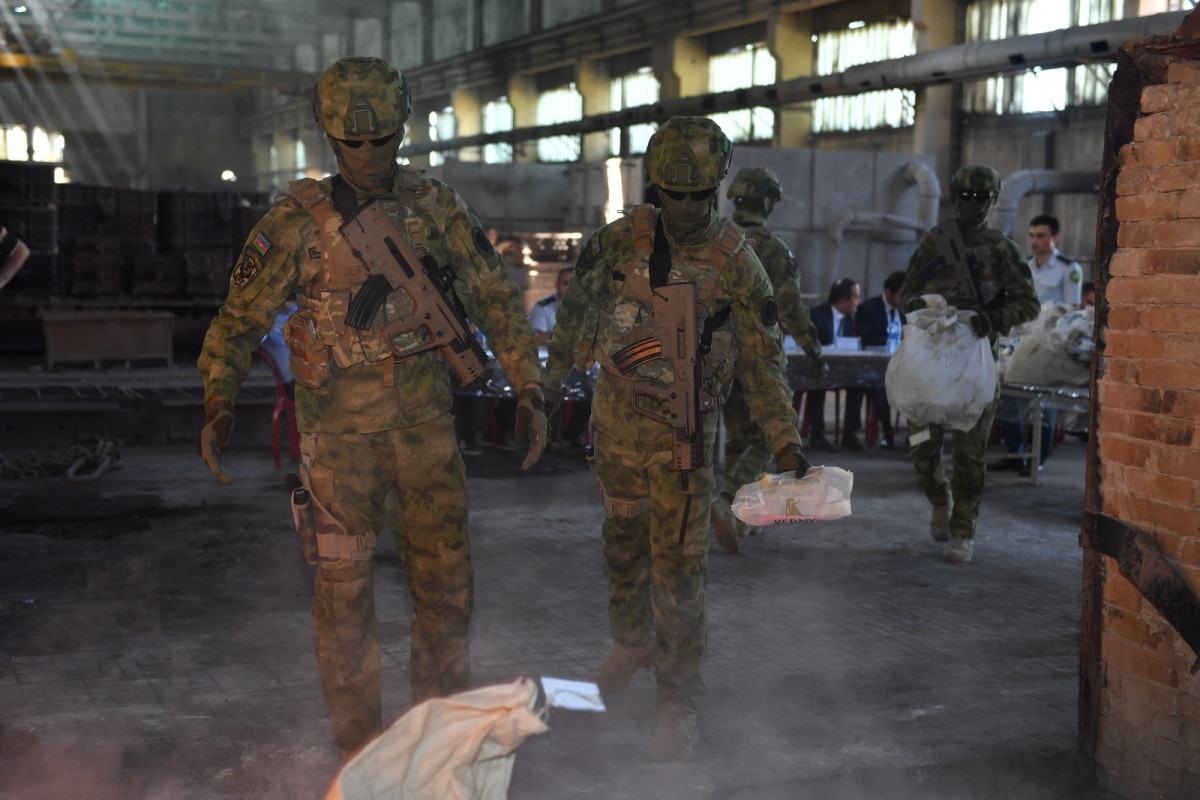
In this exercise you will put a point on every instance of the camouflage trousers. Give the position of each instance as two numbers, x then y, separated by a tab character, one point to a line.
747	455
657	560
970	466
418	474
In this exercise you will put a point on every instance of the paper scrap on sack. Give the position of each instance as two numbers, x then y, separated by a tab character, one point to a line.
823	493
942	373
460	747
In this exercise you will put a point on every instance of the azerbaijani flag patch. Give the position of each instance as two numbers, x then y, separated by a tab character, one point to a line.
262	244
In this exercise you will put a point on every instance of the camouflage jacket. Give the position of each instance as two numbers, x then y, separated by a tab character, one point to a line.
784	274
601	314
347	380
994	263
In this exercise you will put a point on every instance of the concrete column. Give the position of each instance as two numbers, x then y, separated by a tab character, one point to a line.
468	120
789	39
681	66
523	97
594	83
933	133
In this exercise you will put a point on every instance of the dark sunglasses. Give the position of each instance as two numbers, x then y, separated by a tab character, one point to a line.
968	195
702	194
380	142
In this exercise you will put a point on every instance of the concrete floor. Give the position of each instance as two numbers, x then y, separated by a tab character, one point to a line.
156	641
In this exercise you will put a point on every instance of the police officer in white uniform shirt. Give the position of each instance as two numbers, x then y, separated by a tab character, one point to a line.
545	311
1058	279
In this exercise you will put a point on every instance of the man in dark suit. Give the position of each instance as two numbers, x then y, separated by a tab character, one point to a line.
872	318
836	316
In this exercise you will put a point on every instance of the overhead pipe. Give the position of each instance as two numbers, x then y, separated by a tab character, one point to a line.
948	64
890	224
926	179
1031	181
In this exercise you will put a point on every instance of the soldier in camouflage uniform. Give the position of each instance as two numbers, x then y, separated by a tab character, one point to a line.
372	424
992	280
655	533
754	192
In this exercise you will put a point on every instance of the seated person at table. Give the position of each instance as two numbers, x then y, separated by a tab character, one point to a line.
836	315
872	319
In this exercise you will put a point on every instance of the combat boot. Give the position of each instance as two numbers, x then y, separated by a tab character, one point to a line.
622	661
725	525
939	525
675	735
958	551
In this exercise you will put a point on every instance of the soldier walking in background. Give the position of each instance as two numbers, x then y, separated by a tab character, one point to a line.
754	192
673	305
991	279
372	406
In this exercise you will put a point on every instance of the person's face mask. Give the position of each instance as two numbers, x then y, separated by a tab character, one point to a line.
687	211
971	206
368	164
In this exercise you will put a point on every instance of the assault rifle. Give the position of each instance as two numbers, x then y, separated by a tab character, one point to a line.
674	338
437	316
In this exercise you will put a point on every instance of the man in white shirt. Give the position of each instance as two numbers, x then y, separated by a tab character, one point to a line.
1057	278
545	310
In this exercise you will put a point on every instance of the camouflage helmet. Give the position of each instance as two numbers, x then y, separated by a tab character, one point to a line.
755	183
361	98
977	178
687	154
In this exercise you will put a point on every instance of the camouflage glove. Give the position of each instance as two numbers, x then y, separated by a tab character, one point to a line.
790	459
532	423
218	422
817	367
984	322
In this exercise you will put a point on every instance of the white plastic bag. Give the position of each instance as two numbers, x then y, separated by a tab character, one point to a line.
1056	350
942	373
823	493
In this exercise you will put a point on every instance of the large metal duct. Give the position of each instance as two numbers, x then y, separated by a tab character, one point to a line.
925	178
891	227
1030	181
955	63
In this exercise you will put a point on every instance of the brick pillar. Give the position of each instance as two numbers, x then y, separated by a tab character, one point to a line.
1139	702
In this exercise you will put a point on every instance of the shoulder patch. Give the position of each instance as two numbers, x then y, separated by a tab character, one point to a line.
482	243
770	312
587	255
249	264
1075	276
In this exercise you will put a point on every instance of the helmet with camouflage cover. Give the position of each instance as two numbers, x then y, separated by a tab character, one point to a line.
360	98
688	154
754	183
976	178
975	188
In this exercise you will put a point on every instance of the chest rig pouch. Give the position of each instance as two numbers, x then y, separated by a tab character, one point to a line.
317	335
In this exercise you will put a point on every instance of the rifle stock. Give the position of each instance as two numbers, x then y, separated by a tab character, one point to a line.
393	264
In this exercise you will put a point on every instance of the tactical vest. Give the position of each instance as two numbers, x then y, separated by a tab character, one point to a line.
317	335
635	299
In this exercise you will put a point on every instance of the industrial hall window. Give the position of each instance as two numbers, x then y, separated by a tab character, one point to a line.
497	117
442	127
564	104
747	66
1041	90
17	143
861	43
629	91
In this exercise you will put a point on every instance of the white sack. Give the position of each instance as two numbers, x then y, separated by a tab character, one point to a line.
460	747
823	493
942	373
1055	350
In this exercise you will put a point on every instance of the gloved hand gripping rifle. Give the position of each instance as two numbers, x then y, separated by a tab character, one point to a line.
393	264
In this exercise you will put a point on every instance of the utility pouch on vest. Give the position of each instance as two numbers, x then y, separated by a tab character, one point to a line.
310	361
614	507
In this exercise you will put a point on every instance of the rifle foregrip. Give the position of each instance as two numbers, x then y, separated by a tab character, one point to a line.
365	305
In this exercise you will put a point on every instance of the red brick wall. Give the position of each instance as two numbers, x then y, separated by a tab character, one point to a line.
1149	442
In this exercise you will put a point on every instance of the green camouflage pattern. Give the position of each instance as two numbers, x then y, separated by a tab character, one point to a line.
688	154
969	455
360	98
1005	286
420	472
977	178
657	572
747	454
380	394
754	183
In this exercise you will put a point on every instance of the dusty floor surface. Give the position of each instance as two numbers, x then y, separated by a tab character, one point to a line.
156	641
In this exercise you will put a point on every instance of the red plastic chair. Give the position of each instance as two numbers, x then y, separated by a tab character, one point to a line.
283	405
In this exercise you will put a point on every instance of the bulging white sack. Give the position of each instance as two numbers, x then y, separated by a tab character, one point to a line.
1054	350
823	493
942	373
